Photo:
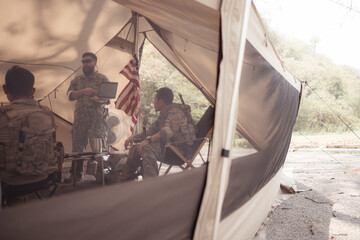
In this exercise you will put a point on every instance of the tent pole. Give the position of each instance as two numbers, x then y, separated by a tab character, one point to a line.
136	52
207	226
136	35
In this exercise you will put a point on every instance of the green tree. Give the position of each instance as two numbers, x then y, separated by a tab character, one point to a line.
332	94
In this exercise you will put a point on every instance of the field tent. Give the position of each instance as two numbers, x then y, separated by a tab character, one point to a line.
223	49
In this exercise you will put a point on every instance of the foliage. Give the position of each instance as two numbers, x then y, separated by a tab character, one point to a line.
330	100
156	72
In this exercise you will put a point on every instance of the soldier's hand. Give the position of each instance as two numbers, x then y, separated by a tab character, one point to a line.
100	100
141	145
129	141
89	91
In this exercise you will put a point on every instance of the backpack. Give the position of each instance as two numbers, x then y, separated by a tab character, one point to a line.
33	136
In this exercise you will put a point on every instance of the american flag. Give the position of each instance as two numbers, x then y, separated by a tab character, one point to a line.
129	98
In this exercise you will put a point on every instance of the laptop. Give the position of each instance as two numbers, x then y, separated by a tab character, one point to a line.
108	90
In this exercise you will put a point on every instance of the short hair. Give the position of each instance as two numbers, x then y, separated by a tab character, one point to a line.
165	94
19	81
90	54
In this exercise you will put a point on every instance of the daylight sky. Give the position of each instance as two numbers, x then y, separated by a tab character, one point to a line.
331	21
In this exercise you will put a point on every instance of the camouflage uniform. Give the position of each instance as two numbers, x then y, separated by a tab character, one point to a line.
175	125
16	168
89	116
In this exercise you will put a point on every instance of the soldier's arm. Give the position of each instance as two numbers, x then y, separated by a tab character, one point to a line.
152	129
172	123
153	135
101	100
73	95
72	88
164	135
149	139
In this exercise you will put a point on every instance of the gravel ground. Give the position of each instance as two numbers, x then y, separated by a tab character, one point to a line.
327	202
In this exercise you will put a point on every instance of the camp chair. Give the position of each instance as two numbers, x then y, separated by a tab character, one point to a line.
9	190
173	157
15	190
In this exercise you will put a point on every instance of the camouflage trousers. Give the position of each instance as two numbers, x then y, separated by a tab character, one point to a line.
82	133
151	153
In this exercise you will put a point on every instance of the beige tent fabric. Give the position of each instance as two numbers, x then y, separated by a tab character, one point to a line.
235	16
187	19
191	60
48	38
187	34
244	221
54	34
159	208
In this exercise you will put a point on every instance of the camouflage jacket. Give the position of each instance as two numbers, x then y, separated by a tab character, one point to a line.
175	125
86	109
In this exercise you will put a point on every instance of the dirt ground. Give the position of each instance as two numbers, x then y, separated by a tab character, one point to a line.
327	202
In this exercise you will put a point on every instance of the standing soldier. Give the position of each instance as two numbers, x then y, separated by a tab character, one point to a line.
90	112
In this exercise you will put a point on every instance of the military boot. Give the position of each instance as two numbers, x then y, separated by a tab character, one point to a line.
128	173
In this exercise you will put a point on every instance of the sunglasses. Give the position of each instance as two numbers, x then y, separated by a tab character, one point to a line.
86	61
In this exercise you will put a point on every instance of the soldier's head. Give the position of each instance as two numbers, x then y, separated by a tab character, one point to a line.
89	61
163	97
19	83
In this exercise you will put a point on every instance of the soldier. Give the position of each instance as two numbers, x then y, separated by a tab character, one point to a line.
90	112
174	124
27	132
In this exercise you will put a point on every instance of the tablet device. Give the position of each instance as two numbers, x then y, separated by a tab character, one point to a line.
108	90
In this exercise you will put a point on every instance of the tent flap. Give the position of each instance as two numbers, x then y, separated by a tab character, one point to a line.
250	87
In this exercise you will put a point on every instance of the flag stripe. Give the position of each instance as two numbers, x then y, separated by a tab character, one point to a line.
124	96
129	71
129	98
132	100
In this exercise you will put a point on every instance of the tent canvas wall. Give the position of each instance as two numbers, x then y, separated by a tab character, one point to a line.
221	200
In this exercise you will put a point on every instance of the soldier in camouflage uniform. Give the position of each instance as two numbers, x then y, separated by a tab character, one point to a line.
27	132
174	124
90	112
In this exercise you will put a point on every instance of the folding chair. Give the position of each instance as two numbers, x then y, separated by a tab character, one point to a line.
15	190
173	157
9	190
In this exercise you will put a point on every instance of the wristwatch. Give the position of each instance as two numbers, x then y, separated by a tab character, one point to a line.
149	139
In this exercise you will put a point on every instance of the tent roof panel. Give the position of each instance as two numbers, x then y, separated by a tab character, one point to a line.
188	19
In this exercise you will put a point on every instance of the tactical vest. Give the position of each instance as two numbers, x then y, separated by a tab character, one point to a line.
28	141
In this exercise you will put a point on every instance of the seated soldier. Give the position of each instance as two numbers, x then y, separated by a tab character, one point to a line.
174	124
27	132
